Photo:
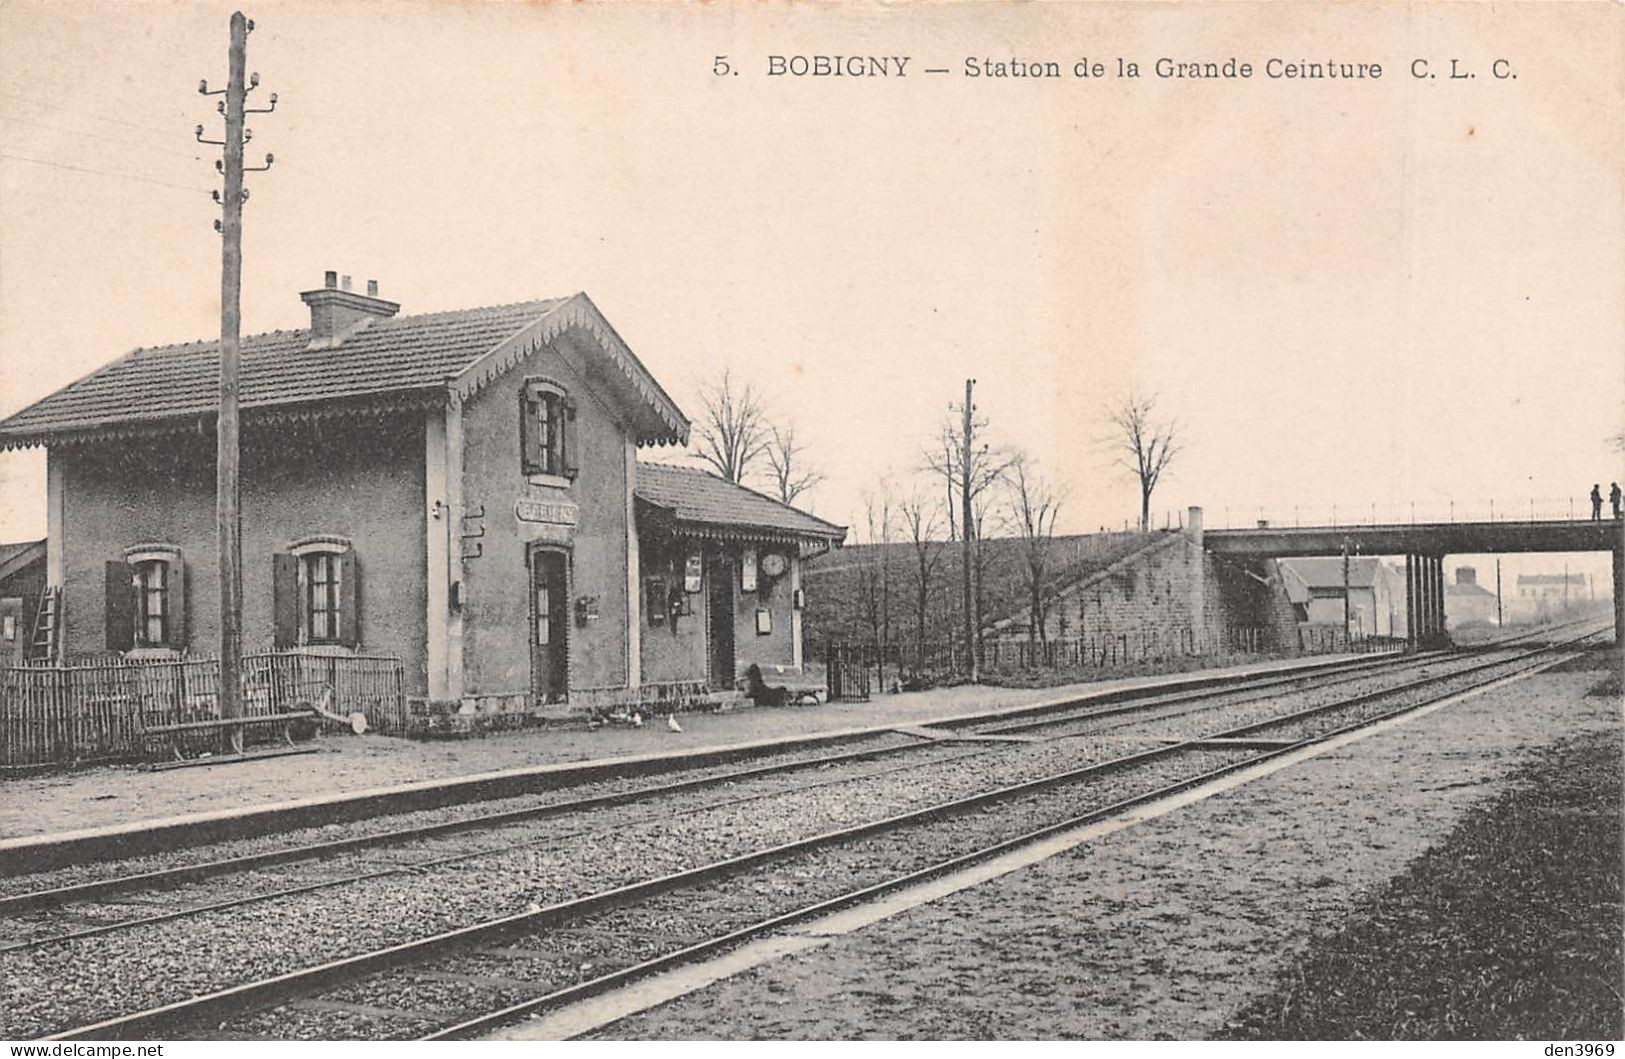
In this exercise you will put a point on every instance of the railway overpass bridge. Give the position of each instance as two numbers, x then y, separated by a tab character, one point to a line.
1424	546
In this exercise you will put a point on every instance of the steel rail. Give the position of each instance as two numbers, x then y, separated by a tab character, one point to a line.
1384	663
269	991
187	873
415	867
192	873
195	872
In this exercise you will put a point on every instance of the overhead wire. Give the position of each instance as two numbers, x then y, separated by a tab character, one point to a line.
194	155
102	172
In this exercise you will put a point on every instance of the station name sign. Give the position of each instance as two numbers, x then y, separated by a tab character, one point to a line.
551	512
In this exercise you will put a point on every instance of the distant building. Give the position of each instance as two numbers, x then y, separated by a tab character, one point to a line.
22	582
1376	599
1466	600
1539	596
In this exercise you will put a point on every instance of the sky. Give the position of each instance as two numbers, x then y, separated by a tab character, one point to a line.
1382	297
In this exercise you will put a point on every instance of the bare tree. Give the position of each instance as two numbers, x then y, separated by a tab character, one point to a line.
1032	506
920	520
732	431
1145	444
787	457
962	456
876	571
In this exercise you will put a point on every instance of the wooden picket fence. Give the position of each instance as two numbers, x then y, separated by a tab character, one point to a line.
101	709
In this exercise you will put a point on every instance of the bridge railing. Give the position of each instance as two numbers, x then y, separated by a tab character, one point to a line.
1352	515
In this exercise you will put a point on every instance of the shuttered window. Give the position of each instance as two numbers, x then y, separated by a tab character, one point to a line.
546	425
146	599
316	597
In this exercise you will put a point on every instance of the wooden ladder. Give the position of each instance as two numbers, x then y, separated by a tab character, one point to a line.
47	627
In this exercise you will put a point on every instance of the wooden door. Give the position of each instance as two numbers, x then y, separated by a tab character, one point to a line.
549	626
720	621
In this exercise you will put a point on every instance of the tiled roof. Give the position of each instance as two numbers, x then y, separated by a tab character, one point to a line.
1328	572
388	357
697	498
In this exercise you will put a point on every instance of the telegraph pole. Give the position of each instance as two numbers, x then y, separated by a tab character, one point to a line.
1499	619
1346	593
968	532
228	514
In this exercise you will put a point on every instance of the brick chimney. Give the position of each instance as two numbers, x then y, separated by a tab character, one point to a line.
1466	575
336	312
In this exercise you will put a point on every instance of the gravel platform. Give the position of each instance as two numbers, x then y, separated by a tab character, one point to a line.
1163	930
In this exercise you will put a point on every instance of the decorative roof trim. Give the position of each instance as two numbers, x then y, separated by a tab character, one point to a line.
253	417
730	532
579	313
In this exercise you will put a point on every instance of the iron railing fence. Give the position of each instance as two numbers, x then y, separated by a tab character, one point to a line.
854	670
1351	515
101	709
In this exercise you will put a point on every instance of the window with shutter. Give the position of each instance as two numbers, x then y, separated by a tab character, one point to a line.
546	418
316	593
152	607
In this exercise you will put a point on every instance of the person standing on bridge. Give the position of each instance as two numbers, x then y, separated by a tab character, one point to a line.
1614	497
1596	501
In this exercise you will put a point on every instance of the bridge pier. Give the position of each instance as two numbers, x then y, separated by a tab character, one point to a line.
1424	600
1412	633
1440	636
1619	596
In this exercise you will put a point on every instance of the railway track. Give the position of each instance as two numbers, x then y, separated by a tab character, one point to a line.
101	886
173	881
955	831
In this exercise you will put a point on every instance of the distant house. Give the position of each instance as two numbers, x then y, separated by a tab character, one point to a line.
460	490
1466	600
1376	599
1539	596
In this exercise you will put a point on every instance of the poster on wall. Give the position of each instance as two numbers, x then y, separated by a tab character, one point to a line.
747	570
691	573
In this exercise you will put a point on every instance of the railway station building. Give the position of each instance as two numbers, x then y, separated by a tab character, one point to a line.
461	490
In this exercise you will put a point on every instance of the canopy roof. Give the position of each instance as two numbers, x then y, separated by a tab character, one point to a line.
698	503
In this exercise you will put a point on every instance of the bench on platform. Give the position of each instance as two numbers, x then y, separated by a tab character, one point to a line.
174	736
